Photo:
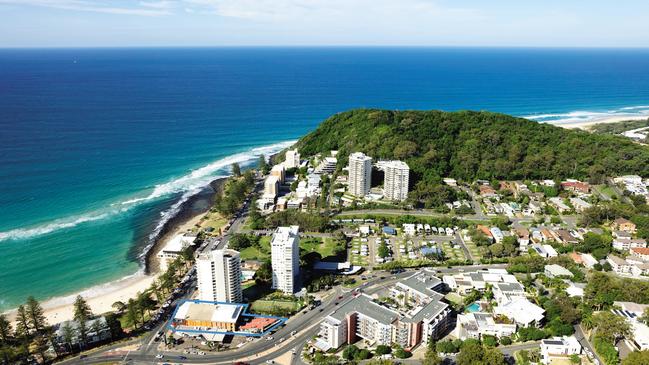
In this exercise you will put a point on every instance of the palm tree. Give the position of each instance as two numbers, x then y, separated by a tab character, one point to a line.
132	313
145	303
119	306
588	322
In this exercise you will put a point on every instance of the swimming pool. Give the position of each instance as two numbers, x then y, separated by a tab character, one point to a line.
474	307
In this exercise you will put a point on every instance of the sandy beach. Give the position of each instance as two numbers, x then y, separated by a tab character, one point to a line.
590	123
101	298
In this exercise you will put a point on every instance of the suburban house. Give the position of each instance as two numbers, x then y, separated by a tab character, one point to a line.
559	348
622	224
475	325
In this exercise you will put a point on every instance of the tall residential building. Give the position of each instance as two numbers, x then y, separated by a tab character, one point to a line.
285	259
271	186
360	174
397	177
279	171
219	276
292	159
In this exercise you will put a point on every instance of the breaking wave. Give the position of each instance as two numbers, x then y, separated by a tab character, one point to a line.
188	185
579	116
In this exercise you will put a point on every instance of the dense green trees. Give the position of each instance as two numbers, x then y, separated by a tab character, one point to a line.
475	354
235	191
307	222
637	358
470	145
603	289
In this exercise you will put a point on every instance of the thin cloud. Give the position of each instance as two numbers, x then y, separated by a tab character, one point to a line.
144	8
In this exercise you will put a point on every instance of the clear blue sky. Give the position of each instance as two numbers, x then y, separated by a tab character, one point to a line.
561	23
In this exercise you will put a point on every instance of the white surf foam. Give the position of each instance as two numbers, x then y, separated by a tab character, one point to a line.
588	115
189	185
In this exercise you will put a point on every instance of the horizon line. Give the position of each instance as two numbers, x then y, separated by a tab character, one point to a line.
307	46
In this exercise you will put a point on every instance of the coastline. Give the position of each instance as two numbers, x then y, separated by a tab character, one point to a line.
586	125
101	297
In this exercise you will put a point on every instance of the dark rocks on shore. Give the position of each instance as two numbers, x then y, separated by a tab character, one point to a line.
198	204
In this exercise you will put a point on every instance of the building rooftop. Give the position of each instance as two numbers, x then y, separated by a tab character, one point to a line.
208	311
363	304
179	242
423	282
557	270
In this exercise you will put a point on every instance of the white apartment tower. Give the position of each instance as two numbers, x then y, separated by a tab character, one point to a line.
271	186
360	174
219	276
285	259
395	185
292	159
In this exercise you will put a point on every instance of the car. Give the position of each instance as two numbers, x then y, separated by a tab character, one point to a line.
159	356
340	297
181	357
293	333
270	361
336	303
83	356
320	310
201	353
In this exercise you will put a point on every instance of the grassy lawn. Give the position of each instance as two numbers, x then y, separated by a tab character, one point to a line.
474	250
266	306
323	246
254	253
452	253
213	220
606	190
454	298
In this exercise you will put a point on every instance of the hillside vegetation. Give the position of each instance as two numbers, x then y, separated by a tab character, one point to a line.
472	145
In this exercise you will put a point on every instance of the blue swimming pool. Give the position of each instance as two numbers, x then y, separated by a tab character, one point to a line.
474	307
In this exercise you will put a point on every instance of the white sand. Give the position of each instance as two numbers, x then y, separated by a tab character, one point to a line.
590	123
99	298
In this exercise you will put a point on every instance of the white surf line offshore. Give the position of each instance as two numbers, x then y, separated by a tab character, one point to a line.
189	185
579	116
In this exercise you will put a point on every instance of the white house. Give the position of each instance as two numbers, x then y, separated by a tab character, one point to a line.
553	271
521	311
559	347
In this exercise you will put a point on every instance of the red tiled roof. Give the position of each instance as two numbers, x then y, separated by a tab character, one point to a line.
641	250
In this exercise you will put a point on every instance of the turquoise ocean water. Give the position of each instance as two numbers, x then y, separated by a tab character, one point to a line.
99	146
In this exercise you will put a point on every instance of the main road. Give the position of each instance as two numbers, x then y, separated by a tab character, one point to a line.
259	350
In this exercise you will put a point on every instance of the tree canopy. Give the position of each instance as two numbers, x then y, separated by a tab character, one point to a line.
472	145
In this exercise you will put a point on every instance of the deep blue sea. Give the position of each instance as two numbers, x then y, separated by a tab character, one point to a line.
98	146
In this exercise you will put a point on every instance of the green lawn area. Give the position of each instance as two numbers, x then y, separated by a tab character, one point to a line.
454	298
452	253
606	190
324	246
254	253
266	306
475	251
213	220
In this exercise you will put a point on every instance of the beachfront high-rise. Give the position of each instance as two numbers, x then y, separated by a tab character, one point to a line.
219	276
395	185
285	259
360	174
292	159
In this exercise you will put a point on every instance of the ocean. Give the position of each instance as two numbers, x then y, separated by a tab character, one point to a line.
98	147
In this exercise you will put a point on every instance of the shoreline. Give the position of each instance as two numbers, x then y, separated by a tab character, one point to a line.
586	125
101	297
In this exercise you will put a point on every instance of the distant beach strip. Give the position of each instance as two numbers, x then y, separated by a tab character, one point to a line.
584	118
